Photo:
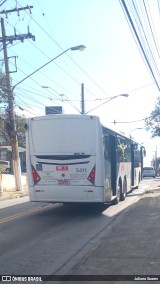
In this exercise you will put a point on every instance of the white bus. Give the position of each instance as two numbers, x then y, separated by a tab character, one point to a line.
73	158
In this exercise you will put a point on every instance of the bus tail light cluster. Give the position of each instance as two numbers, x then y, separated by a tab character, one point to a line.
92	174
35	175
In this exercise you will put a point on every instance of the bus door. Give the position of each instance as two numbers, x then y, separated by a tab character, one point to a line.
132	164
113	163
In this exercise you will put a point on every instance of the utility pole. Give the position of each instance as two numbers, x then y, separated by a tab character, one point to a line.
82	99
11	125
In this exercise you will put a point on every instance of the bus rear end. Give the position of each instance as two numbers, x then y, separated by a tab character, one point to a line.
62	159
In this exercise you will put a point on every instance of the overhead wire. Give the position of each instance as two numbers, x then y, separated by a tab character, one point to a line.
142	33
154	41
59	67
158	4
72	58
75	80
31	99
151	25
47	77
68	101
35	94
132	32
134	121
151	62
33	113
38	93
54	63
145	40
60	47
62	68
53	99
51	37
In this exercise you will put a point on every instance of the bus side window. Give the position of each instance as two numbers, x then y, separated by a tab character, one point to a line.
123	150
106	147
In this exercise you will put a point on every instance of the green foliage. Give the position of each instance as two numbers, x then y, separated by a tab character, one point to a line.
4	136
3	88
20	122
152	123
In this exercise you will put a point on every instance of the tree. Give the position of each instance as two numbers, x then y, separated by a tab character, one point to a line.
21	134
152	123
4	138
3	99
4	130
3	88
4	123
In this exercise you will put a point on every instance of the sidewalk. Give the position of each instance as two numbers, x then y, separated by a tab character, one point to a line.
12	194
8	191
129	247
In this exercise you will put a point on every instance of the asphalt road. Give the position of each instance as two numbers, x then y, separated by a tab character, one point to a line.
48	239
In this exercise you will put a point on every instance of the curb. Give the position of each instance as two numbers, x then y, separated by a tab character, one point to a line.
13	194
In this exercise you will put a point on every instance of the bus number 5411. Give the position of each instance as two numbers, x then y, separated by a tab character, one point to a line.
81	170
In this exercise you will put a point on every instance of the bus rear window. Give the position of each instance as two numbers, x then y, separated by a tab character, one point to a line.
63	136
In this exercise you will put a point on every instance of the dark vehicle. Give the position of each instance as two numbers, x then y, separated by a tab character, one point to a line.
148	172
23	167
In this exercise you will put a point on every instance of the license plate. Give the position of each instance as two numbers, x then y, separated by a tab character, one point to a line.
62	168
63	181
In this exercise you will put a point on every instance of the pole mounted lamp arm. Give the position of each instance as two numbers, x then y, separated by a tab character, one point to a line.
122	95
78	47
138	128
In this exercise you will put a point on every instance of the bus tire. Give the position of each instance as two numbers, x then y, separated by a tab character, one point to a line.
139	180
123	191
118	193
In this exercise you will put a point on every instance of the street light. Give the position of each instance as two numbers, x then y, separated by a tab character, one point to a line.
59	108
112	98
135	129
47	87
78	47
62	96
14	140
138	128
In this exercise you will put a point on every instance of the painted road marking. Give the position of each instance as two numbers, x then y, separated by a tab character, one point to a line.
25	213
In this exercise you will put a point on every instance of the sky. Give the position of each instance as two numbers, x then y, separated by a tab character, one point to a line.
110	65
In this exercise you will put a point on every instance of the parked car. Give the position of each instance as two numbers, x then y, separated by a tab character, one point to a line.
23	167
5	167
148	172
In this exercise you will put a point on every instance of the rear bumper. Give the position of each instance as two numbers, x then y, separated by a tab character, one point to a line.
153	176
61	194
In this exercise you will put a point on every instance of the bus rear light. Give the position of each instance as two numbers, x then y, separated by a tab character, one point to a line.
35	175
92	174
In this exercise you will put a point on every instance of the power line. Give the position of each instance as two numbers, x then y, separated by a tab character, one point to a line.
70	58
148	55
11	115
51	37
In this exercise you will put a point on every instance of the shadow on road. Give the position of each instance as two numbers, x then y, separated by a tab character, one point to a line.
89	209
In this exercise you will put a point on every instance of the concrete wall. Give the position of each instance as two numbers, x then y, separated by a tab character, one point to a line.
7	182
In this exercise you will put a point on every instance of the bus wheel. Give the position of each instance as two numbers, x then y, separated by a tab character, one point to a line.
118	193
139	179
124	191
